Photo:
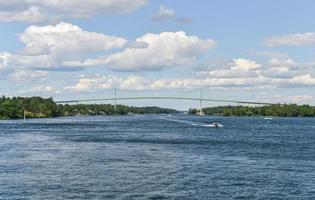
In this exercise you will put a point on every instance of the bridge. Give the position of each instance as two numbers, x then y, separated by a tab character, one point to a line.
165	98
200	100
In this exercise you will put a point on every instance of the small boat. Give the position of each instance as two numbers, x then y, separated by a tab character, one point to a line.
215	124
268	118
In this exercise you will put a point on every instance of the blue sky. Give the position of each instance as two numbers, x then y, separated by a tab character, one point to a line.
260	50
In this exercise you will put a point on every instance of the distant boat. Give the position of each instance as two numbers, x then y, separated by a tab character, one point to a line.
200	114
268	118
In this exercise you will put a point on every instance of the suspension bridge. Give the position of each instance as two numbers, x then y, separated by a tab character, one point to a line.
200	100
165	98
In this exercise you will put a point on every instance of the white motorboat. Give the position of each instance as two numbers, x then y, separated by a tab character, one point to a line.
215	124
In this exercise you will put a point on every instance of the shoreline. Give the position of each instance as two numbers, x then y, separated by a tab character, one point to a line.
120	115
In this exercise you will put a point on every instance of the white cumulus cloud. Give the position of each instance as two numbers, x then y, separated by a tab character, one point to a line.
67	37
163	50
239	67
51	46
244	65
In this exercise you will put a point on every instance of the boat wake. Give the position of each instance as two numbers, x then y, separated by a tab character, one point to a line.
213	125
194	123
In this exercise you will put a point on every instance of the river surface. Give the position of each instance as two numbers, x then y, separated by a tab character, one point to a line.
157	157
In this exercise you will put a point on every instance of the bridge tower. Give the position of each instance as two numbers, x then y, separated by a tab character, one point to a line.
115	101
200	106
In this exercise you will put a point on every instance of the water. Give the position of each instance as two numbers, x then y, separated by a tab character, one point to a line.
157	157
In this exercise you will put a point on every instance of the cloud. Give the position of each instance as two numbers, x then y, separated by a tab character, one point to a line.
276	62
297	99
306	79
295	81
164	14
281	67
244	65
4	59
297	39
4	56
153	52
279	70
137	45
278	73
301	99
138	83
240	73
244	68
67	37
195	83
31	14
50	46
39	89
239	67
135	83
39	10
97	82
67	47
164	50
27	76
185	20
286	68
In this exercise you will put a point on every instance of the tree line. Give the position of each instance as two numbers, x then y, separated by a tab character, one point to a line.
37	107
283	110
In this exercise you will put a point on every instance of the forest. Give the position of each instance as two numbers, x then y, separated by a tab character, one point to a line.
37	107
277	110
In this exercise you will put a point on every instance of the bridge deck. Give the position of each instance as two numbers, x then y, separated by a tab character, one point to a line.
166	98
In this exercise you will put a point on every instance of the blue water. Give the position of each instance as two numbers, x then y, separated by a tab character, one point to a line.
157	157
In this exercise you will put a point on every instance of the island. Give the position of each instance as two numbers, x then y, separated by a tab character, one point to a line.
276	110
38	107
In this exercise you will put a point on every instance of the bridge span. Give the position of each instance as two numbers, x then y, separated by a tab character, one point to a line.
115	99
165	98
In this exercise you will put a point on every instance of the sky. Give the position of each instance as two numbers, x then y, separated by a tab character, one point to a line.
251	50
